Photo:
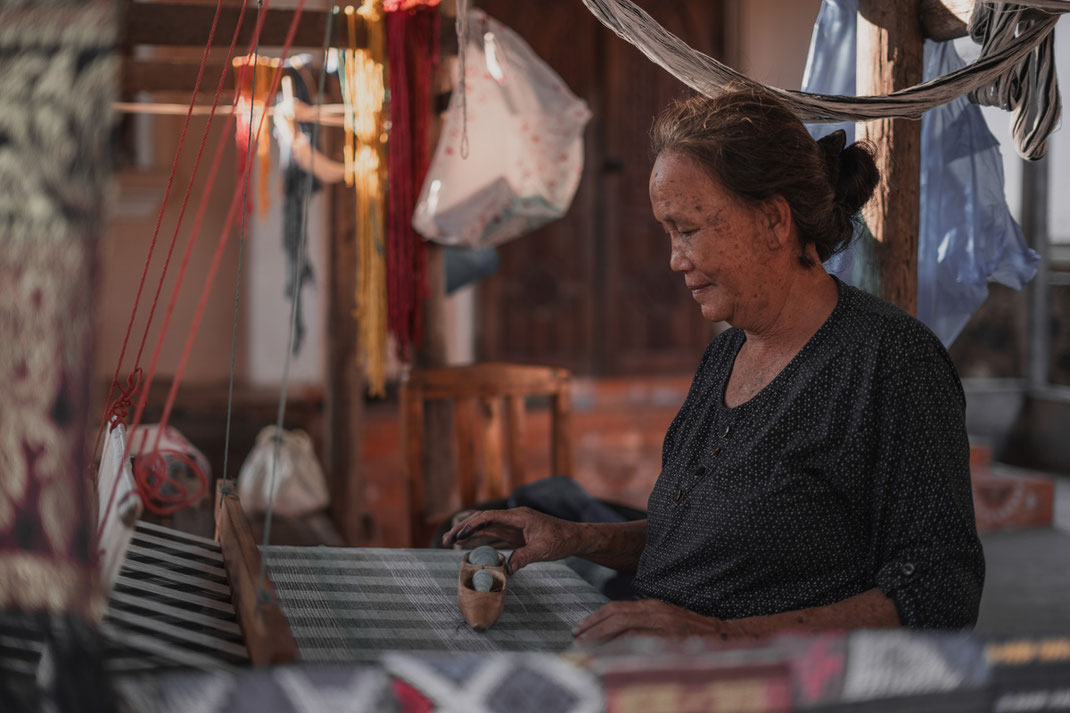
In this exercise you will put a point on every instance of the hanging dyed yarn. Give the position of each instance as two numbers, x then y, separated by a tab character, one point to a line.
412	39
361	74
295	188
253	87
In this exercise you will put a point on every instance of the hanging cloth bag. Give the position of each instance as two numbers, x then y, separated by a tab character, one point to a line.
525	156
300	487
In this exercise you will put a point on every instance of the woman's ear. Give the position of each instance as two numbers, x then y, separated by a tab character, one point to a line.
777	216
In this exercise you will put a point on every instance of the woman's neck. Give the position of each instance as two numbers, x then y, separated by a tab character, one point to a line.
797	311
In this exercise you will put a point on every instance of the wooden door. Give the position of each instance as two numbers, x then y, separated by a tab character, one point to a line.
593	291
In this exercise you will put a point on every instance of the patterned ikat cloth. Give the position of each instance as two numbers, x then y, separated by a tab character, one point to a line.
353	604
401	683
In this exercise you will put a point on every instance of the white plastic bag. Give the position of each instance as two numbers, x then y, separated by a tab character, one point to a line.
299	483
525	157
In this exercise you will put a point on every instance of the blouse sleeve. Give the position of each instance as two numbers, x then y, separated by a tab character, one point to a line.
926	553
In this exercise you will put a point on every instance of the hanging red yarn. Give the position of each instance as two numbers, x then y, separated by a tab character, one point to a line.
412	51
395	5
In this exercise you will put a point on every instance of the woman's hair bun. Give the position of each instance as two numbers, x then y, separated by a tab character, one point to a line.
852	170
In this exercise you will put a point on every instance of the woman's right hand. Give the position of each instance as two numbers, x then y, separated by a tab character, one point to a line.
535	536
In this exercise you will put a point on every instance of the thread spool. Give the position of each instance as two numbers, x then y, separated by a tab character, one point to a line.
482	581
484	556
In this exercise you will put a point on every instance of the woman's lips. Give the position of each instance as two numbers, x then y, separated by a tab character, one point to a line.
698	289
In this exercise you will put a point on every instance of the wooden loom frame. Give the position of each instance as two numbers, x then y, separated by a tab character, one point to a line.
266	632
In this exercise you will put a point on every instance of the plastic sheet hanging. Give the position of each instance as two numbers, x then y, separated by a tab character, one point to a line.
966	233
526	153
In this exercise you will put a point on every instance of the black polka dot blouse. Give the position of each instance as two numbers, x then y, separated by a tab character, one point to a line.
849	471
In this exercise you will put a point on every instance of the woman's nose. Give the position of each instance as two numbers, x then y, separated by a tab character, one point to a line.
678	260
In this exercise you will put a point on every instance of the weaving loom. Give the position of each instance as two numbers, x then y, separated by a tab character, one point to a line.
172	606
172	601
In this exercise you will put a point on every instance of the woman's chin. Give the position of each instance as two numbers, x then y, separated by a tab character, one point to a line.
714	312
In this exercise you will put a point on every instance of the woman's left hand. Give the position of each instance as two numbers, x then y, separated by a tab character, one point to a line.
648	617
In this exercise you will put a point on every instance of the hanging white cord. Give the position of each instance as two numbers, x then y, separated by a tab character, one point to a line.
262	595
462	82
241	249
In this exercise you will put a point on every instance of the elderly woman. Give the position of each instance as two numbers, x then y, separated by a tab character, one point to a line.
817	475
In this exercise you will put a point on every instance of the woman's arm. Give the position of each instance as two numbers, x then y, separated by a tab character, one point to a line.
650	617
537	537
617	544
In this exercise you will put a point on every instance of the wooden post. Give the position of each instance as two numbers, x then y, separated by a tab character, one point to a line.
344	397
889	57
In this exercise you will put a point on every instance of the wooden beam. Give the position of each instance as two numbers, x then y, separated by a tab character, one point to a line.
945	19
172	75
889	57
267	634
175	24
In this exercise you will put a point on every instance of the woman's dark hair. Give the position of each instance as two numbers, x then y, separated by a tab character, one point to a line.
750	142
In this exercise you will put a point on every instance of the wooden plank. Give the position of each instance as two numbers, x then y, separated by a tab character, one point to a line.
172	75
493	471
267	634
561	432
491	379
890	58
465	421
514	438
945	19
176	24
412	434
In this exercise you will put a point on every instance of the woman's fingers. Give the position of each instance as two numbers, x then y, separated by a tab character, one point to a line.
613	620
480	521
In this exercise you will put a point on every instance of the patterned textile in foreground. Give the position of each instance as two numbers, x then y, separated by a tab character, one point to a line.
57	77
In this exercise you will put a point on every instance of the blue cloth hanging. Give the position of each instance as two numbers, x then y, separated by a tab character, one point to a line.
966	233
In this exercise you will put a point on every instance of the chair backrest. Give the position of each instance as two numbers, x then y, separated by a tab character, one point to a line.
487	405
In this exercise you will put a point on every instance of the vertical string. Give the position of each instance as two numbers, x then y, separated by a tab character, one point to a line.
262	593
241	253
462	84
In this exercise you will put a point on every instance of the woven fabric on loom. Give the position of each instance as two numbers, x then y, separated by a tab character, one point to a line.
352	604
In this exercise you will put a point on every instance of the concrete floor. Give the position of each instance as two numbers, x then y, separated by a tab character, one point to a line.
1027	584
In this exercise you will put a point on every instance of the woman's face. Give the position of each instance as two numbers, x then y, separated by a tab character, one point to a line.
718	243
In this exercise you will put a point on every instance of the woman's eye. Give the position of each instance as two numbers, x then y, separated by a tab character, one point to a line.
688	233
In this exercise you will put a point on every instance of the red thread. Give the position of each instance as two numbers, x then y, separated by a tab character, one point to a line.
412	37
109	412
146	473
143	488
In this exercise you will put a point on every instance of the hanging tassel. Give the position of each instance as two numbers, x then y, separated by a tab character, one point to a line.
364	94
412	37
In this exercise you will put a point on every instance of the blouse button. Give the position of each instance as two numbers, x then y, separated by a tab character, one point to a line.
676	496
726	430
907	568
715	451
700	471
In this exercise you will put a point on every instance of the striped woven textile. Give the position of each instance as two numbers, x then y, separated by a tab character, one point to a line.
171	604
352	604
170	608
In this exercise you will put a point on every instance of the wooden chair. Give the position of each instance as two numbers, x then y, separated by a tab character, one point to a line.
487	405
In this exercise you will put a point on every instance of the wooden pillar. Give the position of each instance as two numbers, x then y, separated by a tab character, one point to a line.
344	397
889	57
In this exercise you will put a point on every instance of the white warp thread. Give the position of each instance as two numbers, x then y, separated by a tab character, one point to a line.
710	77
